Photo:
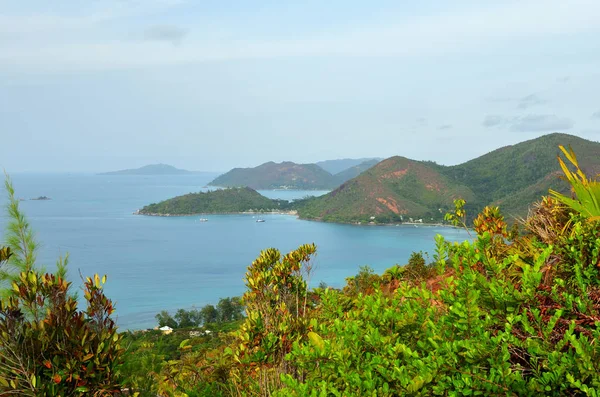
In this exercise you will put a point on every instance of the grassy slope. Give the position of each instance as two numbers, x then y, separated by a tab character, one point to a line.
277	175
217	201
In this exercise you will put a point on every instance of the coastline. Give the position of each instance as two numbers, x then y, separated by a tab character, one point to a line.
295	213
275	212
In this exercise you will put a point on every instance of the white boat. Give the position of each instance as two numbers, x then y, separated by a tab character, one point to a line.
260	220
203	220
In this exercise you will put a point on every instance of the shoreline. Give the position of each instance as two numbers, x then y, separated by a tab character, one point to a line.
291	212
295	213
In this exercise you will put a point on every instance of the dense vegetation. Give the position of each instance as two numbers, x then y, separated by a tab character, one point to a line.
512	312
221	201
228	309
515	176
509	313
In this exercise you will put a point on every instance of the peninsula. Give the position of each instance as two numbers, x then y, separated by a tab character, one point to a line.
221	201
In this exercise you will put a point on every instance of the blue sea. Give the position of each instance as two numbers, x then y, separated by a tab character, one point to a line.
160	263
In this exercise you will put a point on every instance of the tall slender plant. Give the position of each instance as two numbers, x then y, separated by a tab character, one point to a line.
587	192
49	347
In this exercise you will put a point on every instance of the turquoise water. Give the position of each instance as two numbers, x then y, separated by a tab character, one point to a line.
156	263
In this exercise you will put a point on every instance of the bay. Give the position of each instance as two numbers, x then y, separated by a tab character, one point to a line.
158	263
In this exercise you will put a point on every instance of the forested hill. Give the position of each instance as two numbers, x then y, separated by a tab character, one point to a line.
515	176
286	175
152	169
395	189
398	188
222	201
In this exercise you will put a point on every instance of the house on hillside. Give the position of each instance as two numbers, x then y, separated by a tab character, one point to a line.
166	330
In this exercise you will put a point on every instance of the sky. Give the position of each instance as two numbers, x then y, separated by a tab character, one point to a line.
100	85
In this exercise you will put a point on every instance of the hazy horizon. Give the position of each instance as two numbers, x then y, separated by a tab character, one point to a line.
103	86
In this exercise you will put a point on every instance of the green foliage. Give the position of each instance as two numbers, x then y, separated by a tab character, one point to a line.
277	309
155	360
165	319
230	309
364	282
19	239
48	347
209	314
507	313
221	201
227	310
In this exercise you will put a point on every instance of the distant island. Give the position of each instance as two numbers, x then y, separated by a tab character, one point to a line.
41	198
289	175
221	201
152	169
339	165
399	189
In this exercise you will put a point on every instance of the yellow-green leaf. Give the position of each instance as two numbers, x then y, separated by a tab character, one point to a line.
316	340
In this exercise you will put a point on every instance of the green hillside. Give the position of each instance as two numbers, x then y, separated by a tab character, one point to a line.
220	201
512	177
395	189
286	175
512	168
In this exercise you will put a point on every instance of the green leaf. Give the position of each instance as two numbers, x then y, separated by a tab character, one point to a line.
316	340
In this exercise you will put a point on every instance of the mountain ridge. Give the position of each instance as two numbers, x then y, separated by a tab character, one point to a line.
290	175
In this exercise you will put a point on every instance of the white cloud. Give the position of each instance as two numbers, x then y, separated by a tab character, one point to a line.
469	30
541	123
530	123
531	100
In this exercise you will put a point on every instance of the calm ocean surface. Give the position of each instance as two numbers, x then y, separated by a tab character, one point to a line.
156	263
